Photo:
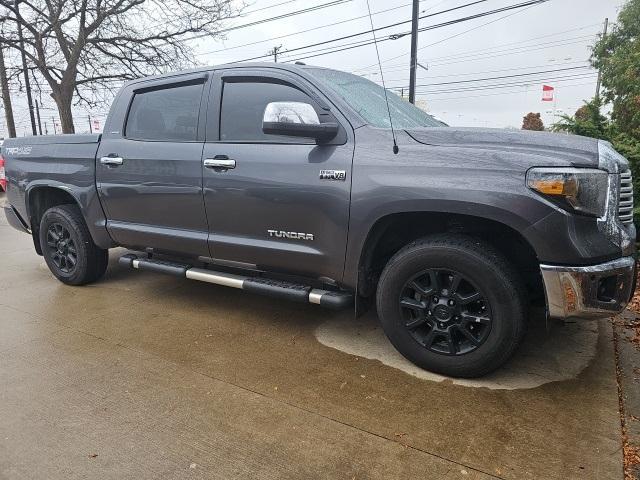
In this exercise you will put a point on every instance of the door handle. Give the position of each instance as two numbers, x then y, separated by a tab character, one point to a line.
113	161
220	161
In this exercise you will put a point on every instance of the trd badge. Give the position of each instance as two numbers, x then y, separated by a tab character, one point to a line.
333	175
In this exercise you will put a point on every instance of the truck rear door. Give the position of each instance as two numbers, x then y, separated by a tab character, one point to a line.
271	207
148	170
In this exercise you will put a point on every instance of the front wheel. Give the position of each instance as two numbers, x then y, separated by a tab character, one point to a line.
68	248
452	304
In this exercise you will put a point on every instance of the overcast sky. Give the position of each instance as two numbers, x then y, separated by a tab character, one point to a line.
553	37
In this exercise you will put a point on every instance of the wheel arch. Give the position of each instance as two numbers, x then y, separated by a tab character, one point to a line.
39	197
391	232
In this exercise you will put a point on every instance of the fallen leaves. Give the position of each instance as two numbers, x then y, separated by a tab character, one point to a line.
634	304
631	451
631	459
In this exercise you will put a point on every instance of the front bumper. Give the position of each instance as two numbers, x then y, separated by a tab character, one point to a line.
594	291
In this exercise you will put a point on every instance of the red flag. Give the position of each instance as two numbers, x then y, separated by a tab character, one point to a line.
547	93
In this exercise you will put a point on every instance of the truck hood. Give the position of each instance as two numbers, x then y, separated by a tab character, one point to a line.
550	148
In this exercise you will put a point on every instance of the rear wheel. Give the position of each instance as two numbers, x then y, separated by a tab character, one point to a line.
452	304
68	248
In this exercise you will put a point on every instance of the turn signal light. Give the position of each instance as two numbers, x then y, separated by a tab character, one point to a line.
564	186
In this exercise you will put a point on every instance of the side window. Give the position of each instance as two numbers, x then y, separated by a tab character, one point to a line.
243	105
169	114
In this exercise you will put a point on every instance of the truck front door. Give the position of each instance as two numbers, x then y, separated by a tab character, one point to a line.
270	207
148	168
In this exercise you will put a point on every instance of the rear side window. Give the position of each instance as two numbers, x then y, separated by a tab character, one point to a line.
242	109
169	114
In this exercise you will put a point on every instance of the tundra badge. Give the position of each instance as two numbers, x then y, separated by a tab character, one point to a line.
295	235
333	175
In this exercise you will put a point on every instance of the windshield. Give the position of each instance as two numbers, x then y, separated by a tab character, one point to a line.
367	99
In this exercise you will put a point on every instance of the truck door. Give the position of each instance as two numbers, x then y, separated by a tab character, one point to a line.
266	202
148	170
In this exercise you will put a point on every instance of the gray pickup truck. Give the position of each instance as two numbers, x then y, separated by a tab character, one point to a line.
284	180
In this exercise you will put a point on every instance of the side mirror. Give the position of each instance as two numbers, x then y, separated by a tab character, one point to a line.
296	119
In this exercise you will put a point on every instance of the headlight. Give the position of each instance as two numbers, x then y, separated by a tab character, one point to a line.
583	190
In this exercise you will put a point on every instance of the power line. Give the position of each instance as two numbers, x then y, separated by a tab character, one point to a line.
504	85
505	53
491	81
431	27
366	32
463	58
456	35
474	80
264	20
302	31
519	91
355	44
472	52
521	68
509	84
274	18
546	65
269	7
540	46
238	15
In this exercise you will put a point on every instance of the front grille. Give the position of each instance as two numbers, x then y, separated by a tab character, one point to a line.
625	205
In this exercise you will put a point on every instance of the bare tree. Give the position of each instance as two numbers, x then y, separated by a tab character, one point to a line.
6	98
81	47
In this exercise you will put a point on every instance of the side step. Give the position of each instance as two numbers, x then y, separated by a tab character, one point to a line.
263	286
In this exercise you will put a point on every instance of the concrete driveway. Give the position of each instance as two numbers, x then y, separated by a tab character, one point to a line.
146	376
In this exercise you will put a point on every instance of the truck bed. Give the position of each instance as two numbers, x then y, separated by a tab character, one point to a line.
65	162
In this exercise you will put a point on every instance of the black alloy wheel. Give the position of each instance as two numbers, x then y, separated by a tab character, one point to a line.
445	312
62	249
452	304
68	248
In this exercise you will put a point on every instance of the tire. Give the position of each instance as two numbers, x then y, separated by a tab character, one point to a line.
64	233
463	284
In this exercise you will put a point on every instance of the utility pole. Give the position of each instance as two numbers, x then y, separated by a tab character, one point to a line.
90	127
604	34
27	84
414	52
274	51
38	115
46	130
55	130
6	98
